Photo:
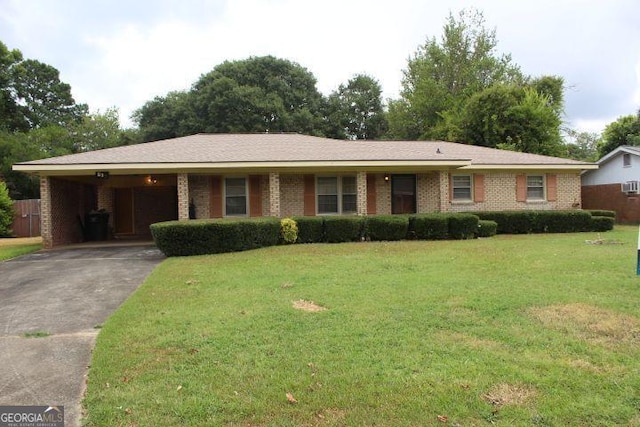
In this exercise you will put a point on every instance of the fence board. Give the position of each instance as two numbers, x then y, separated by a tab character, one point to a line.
26	221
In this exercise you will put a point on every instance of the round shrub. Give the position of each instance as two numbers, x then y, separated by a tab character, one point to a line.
433	226
387	227
602	223
310	229
288	230
487	228
6	211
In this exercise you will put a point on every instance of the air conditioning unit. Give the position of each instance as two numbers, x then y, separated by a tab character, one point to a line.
631	187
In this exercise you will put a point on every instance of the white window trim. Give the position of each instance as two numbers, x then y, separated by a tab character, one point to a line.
339	195
544	188
471	189
224	196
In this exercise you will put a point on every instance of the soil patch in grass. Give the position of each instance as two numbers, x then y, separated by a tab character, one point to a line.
309	306
590	323
510	395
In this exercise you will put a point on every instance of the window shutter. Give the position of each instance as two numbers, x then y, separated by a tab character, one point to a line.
255	196
215	200
309	195
552	187
371	194
521	188
478	188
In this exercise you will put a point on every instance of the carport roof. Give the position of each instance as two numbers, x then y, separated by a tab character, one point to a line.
288	150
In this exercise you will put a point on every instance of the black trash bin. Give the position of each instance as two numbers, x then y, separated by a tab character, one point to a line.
96	225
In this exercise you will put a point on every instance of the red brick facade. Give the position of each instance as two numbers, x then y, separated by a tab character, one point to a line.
610	197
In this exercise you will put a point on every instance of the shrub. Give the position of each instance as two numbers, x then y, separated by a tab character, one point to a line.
430	226
343	228
310	229
561	221
199	237
602	223
463	226
6	211
510	222
600	212
487	228
288	230
387	227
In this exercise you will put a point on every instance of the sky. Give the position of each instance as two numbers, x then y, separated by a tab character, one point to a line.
121	54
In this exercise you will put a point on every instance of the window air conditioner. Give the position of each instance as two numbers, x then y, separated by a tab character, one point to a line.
631	187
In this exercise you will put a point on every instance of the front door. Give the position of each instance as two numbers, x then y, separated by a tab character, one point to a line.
123	211
403	194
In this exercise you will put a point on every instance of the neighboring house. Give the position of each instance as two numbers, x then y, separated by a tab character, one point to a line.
615	185
239	175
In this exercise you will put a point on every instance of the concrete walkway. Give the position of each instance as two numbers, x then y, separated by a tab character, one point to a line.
65	294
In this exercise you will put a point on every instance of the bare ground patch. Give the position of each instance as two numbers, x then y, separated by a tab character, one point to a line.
510	394
309	306
594	324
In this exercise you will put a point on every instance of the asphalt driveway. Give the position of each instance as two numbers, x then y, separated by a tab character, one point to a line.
64	294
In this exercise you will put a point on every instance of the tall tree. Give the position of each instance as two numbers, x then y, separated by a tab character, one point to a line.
9	116
356	111
582	145
167	116
259	94
624	131
443	75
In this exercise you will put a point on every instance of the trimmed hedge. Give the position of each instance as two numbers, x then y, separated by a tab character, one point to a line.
429	226
386	227
603	223
463	226
487	228
600	212
199	237
338	229
310	229
524	222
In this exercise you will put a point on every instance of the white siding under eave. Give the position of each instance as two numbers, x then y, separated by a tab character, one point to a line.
613	172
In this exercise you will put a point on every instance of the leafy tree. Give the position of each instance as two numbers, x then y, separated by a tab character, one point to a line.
582	146
624	131
96	131
443	75
512	117
9	116
167	116
355	110
6	211
259	94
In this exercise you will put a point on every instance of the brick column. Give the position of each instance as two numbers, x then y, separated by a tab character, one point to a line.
361	184
274	194
444	191
46	227
105	201
183	196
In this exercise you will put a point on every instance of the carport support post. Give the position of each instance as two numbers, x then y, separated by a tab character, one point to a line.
45	212
183	197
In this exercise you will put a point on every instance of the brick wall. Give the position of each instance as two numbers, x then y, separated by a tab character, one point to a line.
66	208
383	195
291	195
610	197
500	194
428	192
200	194
105	201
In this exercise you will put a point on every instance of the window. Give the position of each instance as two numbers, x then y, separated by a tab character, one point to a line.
235	196
626	160
535	187
461	187
337	194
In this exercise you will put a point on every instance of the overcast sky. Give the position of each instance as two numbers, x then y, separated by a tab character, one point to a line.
121	54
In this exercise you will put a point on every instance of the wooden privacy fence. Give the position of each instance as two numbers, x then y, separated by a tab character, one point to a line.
26	220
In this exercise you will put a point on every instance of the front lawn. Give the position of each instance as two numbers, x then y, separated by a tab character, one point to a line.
513	330
11	248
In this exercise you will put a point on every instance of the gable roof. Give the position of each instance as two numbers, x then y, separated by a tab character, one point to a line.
619	150
288	151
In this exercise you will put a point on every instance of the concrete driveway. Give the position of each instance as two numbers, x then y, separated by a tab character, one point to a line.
66	294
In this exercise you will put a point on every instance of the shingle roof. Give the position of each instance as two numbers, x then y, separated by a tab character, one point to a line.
264	148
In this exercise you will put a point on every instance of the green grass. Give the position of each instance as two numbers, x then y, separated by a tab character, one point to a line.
509	331
11	248
36	334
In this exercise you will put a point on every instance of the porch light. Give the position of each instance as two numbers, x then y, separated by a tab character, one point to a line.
151	180
387	177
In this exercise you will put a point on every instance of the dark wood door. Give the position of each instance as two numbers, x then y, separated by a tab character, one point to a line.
403	194
123	211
